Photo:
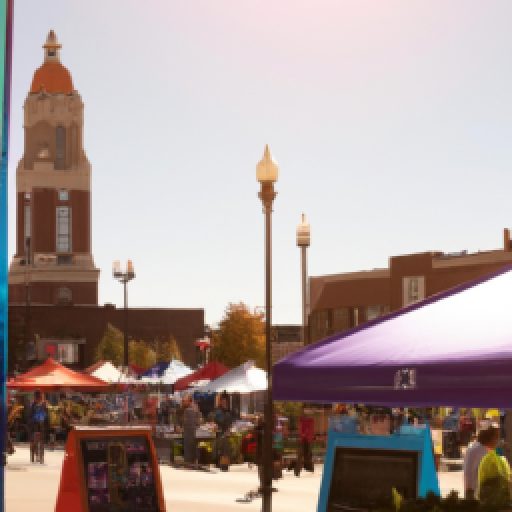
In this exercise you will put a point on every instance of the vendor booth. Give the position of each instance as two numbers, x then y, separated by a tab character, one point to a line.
166	373
245	378
208	372
51	376
107	372
452	349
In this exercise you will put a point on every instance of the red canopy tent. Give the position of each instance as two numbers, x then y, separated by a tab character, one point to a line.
51	376
208	372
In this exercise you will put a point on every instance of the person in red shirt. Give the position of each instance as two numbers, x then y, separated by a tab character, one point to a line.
306	436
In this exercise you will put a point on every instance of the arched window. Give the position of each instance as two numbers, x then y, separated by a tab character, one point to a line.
60	147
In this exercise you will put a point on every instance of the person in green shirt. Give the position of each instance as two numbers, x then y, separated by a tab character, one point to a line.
493	473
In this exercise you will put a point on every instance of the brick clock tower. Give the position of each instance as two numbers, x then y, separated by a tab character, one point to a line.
53	263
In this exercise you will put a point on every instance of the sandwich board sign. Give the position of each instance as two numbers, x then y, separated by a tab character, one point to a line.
110	469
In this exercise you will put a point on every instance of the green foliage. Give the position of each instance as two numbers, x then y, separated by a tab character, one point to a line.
240	337
110	348
140	353
166	350
174	349
433	503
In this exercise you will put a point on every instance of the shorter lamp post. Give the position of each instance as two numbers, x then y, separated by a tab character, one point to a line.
303	241
266	173
124	276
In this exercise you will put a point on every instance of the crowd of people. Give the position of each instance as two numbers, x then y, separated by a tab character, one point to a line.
487	474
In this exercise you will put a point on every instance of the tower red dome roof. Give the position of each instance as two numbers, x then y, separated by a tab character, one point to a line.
53	77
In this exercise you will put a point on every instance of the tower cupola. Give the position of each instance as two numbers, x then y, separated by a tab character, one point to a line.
52	77
52	48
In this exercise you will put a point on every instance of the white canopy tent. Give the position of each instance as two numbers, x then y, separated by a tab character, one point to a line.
245	378
107	372
174	371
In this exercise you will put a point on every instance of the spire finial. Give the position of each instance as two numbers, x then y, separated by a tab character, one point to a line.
51	47
267	169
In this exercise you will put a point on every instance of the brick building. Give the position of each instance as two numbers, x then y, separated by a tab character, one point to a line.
53	194
53	281
285	340
342	301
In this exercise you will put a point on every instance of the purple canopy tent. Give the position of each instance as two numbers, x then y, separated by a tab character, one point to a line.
453	349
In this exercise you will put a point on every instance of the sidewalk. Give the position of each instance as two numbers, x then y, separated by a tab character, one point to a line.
32	487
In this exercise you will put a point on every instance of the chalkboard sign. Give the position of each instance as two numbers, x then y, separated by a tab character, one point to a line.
119	474
364	477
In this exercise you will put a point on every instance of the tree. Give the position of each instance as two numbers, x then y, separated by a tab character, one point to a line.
141	354
111	348
174	349
166	350
240	337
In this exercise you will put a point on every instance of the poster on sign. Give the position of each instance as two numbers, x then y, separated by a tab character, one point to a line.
116	469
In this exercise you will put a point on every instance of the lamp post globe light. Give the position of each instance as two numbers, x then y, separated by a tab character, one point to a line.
266	173
124	276
303	241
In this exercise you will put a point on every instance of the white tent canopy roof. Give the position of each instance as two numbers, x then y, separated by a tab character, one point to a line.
107	372
245	378
176	370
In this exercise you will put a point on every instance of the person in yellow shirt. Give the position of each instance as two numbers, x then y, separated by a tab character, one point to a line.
493	473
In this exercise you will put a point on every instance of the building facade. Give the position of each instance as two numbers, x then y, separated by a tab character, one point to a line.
53	194
286	339
53	281
343	301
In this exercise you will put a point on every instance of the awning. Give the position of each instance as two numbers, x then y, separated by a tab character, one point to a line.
51	376
166	373
245	378
208	372
453	349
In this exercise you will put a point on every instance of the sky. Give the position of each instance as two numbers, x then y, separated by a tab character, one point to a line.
391	122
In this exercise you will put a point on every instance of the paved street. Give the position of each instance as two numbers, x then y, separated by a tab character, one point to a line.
34	487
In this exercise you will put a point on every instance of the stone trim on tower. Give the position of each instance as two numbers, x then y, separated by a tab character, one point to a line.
53	184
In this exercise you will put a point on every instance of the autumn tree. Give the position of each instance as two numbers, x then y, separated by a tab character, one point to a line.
111	348
166	350
141	354
240	337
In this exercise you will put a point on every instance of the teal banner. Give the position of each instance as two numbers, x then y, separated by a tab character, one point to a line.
6	11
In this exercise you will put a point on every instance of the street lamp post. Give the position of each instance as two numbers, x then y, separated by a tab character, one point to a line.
124	277
28	263
303	241
266	174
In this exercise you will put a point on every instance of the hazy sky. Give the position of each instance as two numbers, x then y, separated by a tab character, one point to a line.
391	122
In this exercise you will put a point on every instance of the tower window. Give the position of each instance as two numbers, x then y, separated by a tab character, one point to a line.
63	195
60	147
27	228
63	229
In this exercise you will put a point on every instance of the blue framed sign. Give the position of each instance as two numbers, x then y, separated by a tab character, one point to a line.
362	469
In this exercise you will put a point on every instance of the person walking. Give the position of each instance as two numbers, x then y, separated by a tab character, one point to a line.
304	451
191	420
39	421
223	419
493	473
474	454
